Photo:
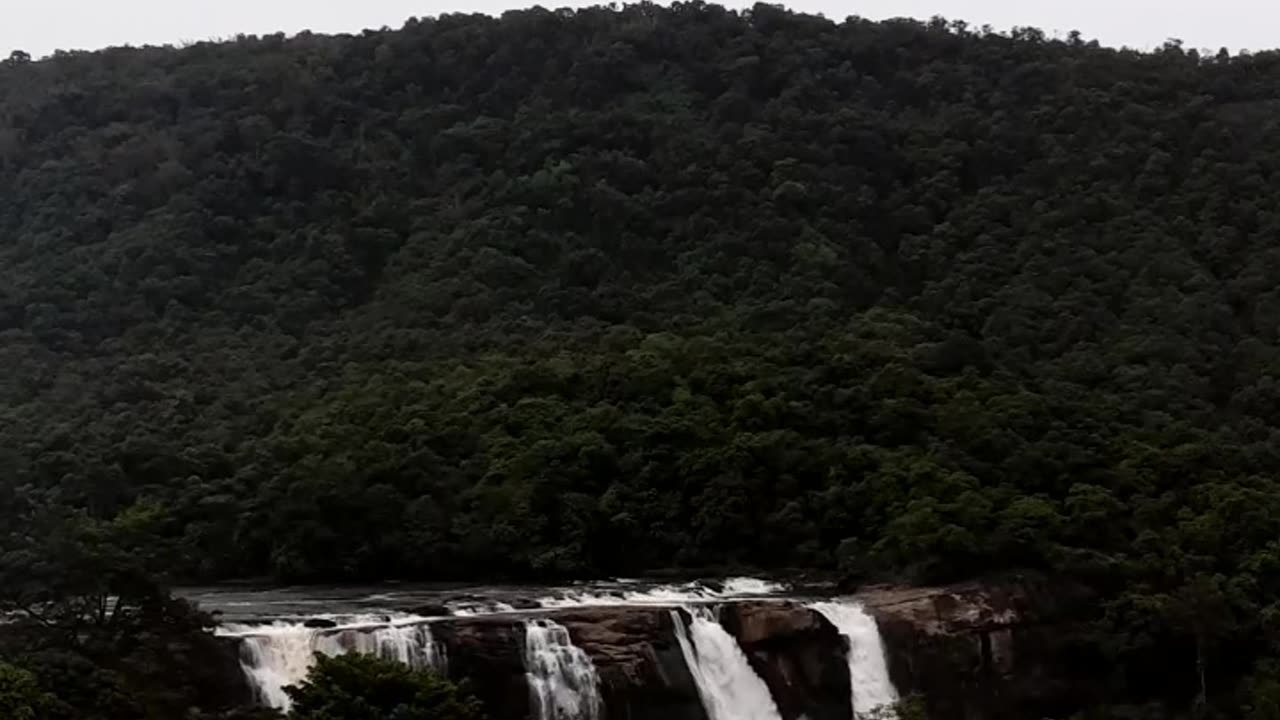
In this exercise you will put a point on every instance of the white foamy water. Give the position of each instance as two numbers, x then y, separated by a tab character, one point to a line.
732	588
471	609
563	684
238	605
730	689
281	654
868	671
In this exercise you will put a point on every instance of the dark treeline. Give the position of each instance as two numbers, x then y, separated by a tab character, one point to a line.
612	291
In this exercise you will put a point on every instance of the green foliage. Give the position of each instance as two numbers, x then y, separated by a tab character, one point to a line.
908	708
97	637
363	687
20	696
478	298
1260	694
601	292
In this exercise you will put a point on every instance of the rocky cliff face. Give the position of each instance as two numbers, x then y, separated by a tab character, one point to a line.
487	653
984	651
976	651
973	651
798	653
642	672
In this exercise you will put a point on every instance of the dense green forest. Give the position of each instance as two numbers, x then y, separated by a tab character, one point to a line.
565	294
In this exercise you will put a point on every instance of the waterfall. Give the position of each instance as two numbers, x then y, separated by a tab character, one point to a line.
411	645
279	655
868	672
274	661
563	684
730	689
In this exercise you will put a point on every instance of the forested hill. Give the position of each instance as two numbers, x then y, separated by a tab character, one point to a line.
611	291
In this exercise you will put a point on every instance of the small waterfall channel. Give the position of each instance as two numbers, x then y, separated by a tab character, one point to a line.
730	689
281	654
868	672
563	684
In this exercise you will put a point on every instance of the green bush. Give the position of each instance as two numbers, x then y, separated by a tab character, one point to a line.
364	687
20	695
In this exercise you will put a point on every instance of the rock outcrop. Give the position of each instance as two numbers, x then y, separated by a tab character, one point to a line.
220	661
488	653
642	672
974	651
983	650
798	653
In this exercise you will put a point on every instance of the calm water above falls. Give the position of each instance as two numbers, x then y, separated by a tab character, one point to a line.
246	605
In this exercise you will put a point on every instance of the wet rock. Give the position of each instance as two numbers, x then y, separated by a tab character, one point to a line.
800	656
990	650
642	671
975	651
320	623
222	661
488	653
430	610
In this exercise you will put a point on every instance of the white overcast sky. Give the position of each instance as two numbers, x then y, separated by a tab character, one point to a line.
41	26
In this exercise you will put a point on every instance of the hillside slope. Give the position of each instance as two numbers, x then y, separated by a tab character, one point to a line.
601	292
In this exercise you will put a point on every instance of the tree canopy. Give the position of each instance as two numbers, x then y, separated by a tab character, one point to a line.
366	687
20	696
607	291
89	635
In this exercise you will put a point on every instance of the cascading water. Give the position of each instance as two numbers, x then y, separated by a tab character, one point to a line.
279	655
408	644
691	592
275	660
730	689
563	684
868	673
251	605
